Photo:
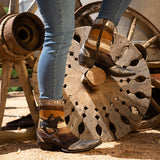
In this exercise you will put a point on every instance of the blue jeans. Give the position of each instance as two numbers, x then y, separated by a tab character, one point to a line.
113	9
58	18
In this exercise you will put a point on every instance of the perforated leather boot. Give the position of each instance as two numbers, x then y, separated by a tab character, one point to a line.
96	50
52	132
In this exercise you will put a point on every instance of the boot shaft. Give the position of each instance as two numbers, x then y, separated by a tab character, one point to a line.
51	109
100	36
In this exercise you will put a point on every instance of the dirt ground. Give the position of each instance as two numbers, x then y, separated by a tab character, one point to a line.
138	145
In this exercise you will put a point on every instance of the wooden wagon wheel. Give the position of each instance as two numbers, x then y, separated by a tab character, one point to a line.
110	106
112	109
140	31
9	59
105	107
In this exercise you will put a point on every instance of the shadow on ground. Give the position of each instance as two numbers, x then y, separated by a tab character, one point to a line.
140	145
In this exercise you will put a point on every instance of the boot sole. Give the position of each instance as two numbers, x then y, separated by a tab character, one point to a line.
48	147
89	63
51	147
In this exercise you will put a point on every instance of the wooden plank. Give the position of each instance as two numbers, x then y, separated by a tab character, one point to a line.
17	135
13	6
6	73
23	76
33	7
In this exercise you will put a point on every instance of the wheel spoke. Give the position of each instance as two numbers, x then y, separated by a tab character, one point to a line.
132	29
13	6
2	11
155	105
153	64
33	7
5	80
23	76
150	41
78	4
155	81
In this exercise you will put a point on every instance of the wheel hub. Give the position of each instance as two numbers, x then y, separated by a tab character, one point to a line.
20	35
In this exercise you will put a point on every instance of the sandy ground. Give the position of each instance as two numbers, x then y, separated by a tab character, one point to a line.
138	145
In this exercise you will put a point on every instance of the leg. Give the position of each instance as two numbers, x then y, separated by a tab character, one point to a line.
59	28
96	49
112	10
52	132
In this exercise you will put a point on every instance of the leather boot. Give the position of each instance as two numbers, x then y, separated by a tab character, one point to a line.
96	50
52	131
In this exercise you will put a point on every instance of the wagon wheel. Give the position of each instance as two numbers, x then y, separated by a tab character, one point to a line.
10	56
98	114
141	32
106	107
112	106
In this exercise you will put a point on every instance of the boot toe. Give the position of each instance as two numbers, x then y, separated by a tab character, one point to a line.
83	145
118	71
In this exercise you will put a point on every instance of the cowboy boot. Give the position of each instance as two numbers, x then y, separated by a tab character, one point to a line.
52	131
96	49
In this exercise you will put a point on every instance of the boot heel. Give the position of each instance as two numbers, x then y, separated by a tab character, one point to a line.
86	61
45	146
48	147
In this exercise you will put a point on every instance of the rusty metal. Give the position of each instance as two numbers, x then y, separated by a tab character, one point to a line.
20	34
